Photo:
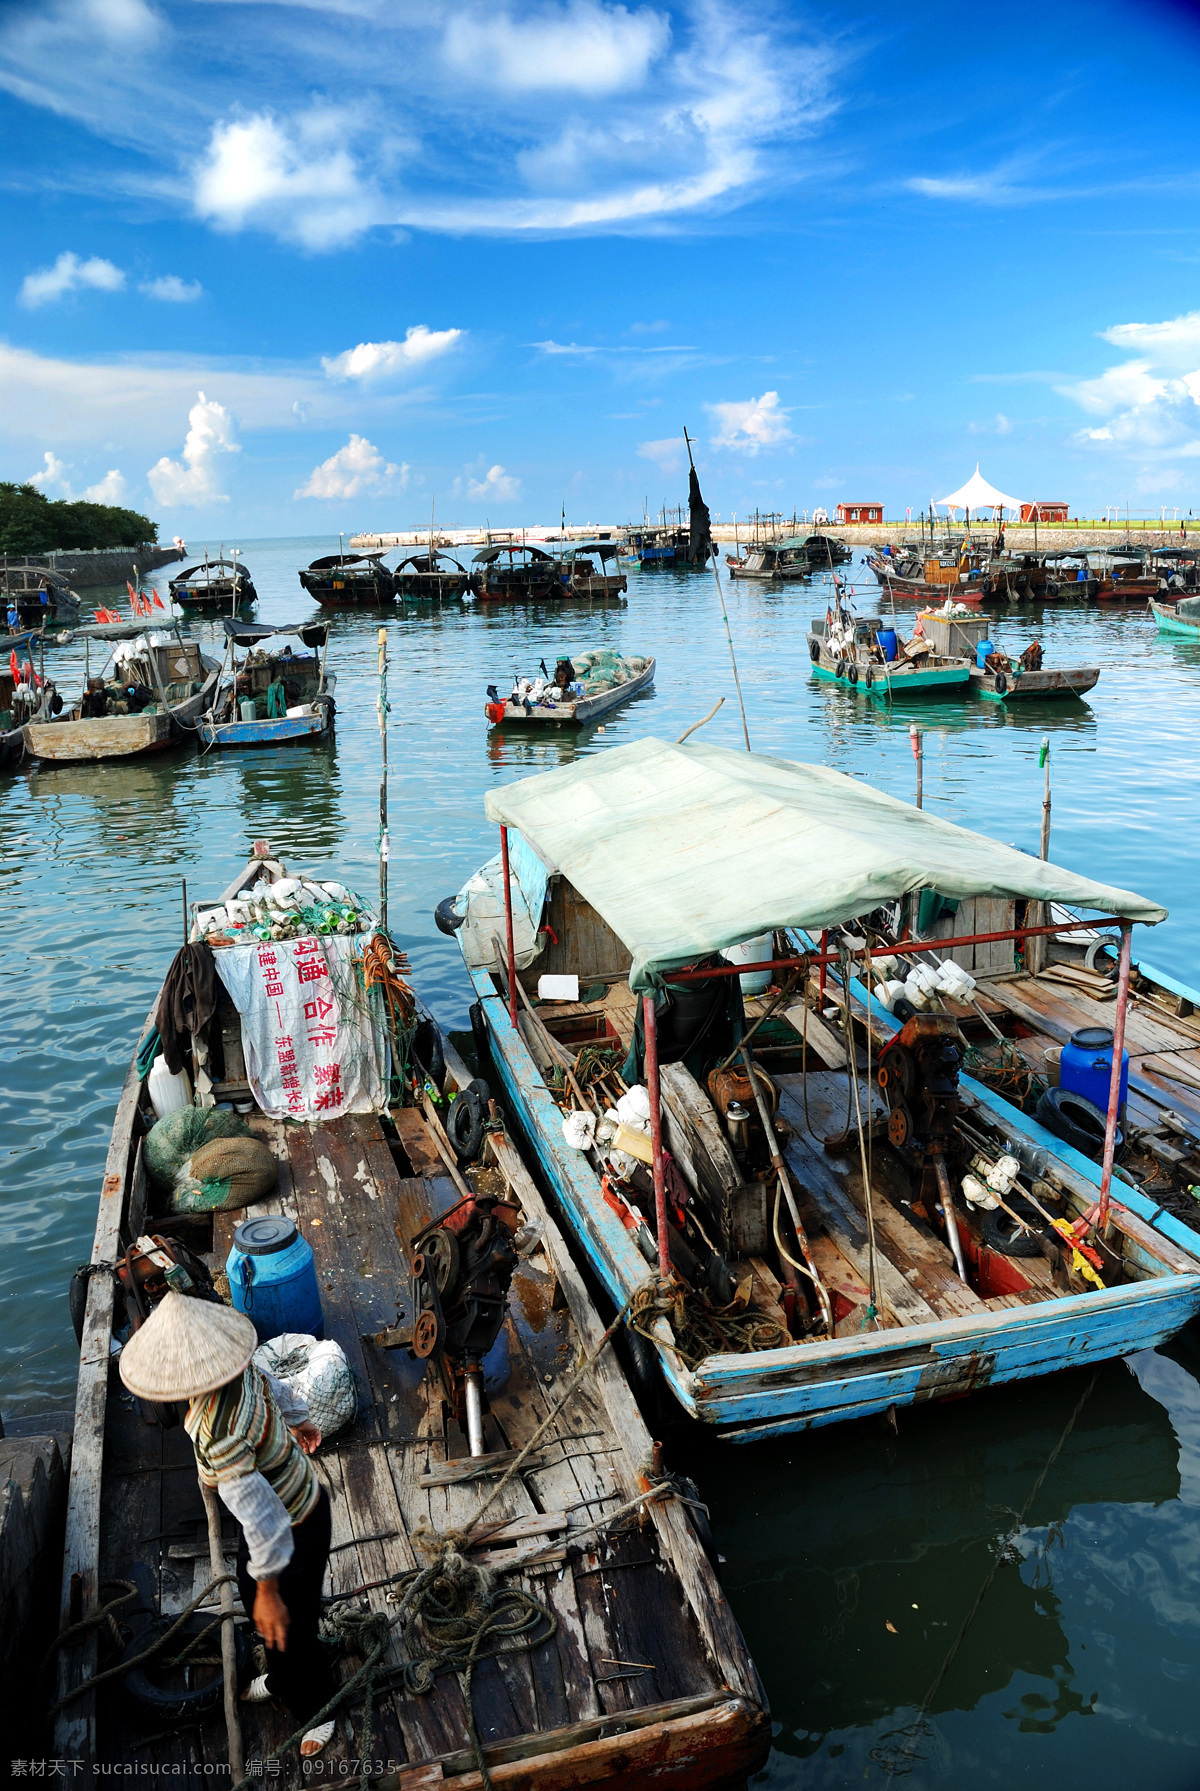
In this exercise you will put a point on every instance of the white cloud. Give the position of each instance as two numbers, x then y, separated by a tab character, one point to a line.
373	360
69	274
495	483
295	178
358	468
52	475
121	21
667	455
172	290
1174	343
194	480
756	423
111	489
582	45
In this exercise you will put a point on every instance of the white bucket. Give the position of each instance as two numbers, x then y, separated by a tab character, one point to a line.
167	1093
753	951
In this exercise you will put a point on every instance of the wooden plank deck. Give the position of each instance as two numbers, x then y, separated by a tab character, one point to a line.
617	1599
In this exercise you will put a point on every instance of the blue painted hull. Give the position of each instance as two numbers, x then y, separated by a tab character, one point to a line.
771	1392
278	731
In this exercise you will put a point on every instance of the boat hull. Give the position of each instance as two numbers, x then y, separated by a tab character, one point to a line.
577	714
1172	623
116	736
1037	685
277	731
773	1392
938	681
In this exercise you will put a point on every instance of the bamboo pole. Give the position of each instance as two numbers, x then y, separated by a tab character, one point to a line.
650	1027
382	706
510	949
216	1561
1114	1084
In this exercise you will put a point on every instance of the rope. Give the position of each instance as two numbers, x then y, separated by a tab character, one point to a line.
903	1760
863	1149
105	1614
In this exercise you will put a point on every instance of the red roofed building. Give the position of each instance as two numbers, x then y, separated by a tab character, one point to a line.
860	512
1044	512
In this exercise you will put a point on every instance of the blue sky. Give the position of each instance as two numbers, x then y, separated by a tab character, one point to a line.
294	266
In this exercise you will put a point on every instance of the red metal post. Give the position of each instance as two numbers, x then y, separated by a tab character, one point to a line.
508	929
650	1026
1114	1084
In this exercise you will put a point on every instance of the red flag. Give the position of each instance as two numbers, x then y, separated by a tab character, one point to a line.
13	666
106	615
157	599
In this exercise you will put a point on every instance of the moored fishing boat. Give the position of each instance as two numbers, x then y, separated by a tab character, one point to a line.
37	597
488	1428
511	572
579	567
771	564
274	696
845	1250
165	684
431	577
995	675
343	580
583	688
869	659
1181	617
221	585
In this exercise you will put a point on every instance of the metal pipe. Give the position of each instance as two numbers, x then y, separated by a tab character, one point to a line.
824	963
949	1215
785	1186
914	736
1044	760
473	1395
821	958
1114	1083
510	950
650	1029
382	705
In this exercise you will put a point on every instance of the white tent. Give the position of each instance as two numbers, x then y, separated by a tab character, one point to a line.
978	495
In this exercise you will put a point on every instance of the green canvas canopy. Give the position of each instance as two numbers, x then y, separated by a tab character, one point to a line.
685	850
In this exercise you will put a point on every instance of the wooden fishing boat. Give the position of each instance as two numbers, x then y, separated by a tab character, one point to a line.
1177	571
431	577
583	578
222	586
298	684
175	683
510	572
630	1672
1181	617
795	1289
549	705
1123	573
846	649
1000	677
343	580
771	565
37	597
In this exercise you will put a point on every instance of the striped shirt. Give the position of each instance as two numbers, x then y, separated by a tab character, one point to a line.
245	1449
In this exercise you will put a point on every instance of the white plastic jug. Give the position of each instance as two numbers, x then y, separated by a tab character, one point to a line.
754	951
167	1093
247	709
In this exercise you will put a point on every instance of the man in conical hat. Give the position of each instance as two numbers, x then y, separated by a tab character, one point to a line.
252	1437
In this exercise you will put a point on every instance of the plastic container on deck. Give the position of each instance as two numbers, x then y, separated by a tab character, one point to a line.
273	1278
1085	1066
754	951
887	640
982	649
247	710
168	1093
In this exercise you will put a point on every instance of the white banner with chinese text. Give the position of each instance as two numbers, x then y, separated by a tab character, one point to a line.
309	1036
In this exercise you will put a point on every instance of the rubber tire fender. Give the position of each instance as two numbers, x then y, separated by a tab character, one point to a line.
868	678
174	1706
427	1049
852	673
814	651
479	1033
445	917
839	670
1054	1112
77	1293
996	1236
698	1518
1001	684
467	1127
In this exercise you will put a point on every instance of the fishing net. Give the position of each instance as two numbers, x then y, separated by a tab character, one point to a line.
224	1175
317	1372
172	1139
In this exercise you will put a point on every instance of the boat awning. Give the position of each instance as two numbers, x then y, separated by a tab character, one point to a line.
685	850
487	556
244	634
977	494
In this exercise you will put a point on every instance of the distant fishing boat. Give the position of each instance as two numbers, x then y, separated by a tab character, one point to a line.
868	658
673	542
994	674
272	698
37	597
771	564
221	585
510	571
344	580
852	1217
1182	618
431	577
165	685
579	568
24	696
583	688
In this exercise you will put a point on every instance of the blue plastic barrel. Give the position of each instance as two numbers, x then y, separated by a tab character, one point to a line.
887	640
273	1278
1086	1066
982	649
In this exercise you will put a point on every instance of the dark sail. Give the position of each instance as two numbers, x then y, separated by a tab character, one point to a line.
699	523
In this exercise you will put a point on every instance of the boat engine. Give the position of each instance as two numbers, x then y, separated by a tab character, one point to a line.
462	1267
918	1073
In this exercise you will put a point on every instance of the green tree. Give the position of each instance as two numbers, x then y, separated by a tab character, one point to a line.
31	524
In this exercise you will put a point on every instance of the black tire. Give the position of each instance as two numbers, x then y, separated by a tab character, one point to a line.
168	1705
468	1120
639	1358
1000	1233
839	669
1051	588
77	1293
445	919
868	677
852	674
1074	1119
479	1032
814	651
1001	683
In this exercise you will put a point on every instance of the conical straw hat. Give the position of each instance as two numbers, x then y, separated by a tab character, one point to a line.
186	1347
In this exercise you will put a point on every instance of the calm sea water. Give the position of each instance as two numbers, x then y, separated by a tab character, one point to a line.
853	1556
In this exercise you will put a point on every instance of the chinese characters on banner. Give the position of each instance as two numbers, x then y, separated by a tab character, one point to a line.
311	1048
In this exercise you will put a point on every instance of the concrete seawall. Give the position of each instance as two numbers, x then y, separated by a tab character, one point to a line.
87	570
1019	539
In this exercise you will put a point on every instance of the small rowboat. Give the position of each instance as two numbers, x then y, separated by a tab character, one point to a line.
309	710
1008	687
557	710
1181	618
634	1674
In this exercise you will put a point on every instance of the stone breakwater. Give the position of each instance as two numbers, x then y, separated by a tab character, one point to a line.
87	570
857	535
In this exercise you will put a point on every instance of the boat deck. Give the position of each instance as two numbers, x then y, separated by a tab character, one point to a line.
640	1620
